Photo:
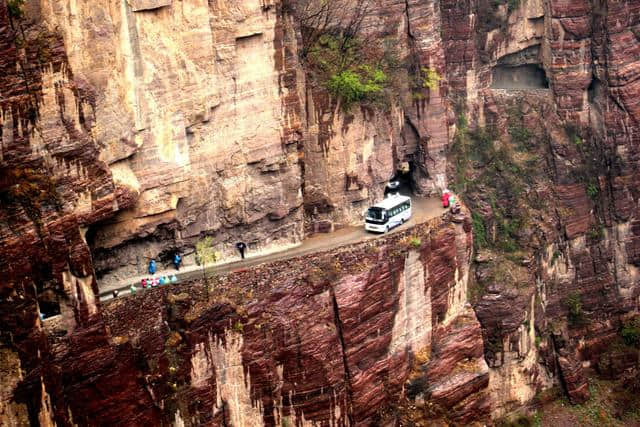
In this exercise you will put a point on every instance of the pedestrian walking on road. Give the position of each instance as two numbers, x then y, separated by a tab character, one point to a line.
177	259
241	247
133	289
152	266
115	293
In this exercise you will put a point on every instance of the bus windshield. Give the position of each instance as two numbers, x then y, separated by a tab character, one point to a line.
377	214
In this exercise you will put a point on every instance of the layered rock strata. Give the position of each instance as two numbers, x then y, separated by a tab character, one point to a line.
331	343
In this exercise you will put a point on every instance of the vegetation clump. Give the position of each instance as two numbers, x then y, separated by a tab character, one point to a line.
631	332
430	77
359	85
340	56
206	254
15	8
592	191
415	242
575	313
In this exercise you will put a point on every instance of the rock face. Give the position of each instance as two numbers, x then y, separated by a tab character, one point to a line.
578	203
332	343
132	129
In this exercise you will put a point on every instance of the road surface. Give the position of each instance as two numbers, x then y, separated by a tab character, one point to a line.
422	211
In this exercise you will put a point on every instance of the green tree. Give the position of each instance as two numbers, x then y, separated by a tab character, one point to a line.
430	78
15	8
206	254
574	306
631	332
352	86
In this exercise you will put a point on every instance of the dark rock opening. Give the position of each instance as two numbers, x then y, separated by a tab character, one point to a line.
595	90
527	76
402	182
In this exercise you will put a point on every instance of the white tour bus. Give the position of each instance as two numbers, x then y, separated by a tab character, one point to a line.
391	212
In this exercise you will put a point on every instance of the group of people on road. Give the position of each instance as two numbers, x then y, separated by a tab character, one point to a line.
449	201
166	280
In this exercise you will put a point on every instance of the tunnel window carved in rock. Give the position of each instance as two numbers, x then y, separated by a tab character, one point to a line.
520	77
520	70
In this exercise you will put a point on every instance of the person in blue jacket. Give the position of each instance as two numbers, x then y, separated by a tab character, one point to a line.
177	259
152	266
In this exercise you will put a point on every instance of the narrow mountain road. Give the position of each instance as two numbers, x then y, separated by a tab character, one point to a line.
422	211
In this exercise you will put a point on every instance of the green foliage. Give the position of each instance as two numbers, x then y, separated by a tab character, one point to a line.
352	86
332	55
415	242
424	78
521	420
520	135
595	232
479	231
592	191
430	78
577	141
15	8
463	123
574	306
631	332
513	4
205	252
238	327
350	71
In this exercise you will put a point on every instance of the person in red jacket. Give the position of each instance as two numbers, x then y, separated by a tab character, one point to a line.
445	198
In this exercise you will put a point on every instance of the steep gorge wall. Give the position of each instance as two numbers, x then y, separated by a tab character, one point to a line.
144	125
573	248
203	112
333	342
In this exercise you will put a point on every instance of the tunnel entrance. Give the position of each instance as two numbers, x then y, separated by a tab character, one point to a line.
402	181
516	77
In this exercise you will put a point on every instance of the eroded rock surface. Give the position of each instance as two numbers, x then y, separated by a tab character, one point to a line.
131	129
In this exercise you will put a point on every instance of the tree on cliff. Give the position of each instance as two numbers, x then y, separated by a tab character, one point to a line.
205	254
339	18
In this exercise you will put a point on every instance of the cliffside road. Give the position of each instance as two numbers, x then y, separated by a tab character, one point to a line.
422	210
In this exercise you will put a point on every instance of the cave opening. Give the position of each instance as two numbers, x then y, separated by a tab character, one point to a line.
402	181
48	302
519	77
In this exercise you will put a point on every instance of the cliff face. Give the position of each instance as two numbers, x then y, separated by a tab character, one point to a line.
558	200
130	129
332	342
